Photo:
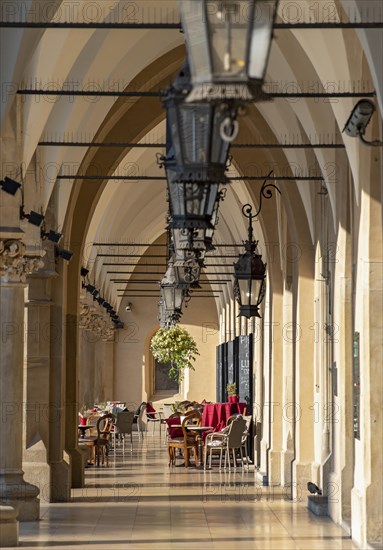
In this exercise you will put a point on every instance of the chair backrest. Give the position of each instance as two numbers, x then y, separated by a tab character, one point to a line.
104	425
191	417
235	433
140	419
92	419
124	422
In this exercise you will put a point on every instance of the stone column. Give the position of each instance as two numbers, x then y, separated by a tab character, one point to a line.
41	410
289	337
14	490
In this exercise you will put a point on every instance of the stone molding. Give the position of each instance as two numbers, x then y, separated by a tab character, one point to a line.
95	322
15	265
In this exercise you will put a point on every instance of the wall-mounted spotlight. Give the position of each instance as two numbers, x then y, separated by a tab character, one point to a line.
64	254
84	272
358	120
10	186
100	300
128	306
52	236
33	217
119	324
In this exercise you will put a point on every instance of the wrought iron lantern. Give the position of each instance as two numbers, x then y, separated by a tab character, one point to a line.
250	271
198	141
249	274
228	46
172	291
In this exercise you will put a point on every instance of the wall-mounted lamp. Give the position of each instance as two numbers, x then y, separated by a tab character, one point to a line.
250	271
52	236
64	254
33	217
358	120
10	186
128	306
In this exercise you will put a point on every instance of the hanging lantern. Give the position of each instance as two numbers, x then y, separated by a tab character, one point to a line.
198	141
228	45
172	291
249	274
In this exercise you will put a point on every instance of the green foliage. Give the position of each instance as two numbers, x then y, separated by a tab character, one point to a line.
177	347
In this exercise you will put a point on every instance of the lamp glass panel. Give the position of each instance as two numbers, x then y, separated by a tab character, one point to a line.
177	198
168	294
196	31
228	22
249	289
261	38
196	195
195	123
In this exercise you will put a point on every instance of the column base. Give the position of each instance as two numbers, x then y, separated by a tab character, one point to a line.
9	526
77	467
286	460
60	482
275	467
302	475
19	494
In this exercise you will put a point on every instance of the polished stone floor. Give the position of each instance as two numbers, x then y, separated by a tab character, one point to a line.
139	502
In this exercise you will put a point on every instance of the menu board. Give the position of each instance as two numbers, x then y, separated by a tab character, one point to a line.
219	374
244	370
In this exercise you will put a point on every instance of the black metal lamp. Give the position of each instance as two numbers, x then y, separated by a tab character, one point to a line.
198	141
172	291
249	274
250	271
228	45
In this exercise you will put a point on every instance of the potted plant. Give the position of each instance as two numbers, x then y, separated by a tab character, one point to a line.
176	347
232	392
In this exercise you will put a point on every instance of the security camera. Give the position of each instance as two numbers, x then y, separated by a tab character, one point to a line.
358	120
128	307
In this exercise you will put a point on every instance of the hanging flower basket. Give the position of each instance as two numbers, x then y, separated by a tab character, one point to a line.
174	346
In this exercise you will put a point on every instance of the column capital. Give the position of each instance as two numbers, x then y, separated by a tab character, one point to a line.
15	265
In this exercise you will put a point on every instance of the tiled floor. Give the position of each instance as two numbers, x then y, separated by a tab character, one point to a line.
139	502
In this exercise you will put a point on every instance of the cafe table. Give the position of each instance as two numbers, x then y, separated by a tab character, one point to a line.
199	431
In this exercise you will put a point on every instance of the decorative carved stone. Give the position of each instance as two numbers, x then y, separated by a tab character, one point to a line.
14	264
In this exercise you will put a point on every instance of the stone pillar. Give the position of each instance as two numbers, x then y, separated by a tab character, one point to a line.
289	337
275	390
14	490
41	410
304	385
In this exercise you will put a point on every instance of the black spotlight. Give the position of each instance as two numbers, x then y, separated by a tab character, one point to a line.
84	272
10	186
65	254
107	306
100	300
52	236
33	217
119	324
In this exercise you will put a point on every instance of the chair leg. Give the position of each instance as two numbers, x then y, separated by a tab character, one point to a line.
234	460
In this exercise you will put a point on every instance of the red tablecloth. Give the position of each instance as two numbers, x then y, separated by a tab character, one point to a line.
215	413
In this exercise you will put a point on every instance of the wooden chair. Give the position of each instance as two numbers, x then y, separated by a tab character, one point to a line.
100	444
187	442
